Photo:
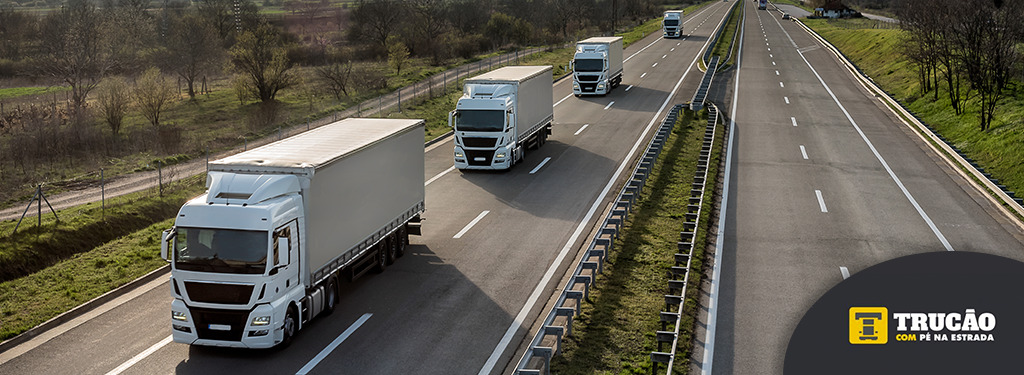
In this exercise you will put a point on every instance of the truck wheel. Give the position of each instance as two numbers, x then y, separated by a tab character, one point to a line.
391	244
331	299
291	325
382	257
403	240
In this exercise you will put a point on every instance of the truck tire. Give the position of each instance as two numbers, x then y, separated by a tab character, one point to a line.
291	327
331	296
403	240
391	245
381	259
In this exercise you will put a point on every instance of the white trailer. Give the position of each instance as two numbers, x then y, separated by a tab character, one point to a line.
673	24
500	114
263	251
597	66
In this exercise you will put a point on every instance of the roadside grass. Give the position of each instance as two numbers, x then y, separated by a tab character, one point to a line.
615	332
16	92
98	254
878	52
35	247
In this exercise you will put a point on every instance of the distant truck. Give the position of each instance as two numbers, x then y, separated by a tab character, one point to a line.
500	115
597	66
762	4
673	24
263	251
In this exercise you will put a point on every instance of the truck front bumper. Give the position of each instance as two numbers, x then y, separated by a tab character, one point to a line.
225	328
492	159
589	88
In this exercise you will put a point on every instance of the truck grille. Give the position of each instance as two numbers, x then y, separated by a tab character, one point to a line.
588	87
205	317
479	142
471	156
231	294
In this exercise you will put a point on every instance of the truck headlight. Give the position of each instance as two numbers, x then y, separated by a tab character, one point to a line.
260	321
178	315
575	85
459	154
600	86
500	155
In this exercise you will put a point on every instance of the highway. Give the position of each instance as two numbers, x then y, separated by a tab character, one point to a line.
464	295
824	182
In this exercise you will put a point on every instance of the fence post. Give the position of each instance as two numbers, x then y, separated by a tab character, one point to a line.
103	193
160	177
400	100
207	158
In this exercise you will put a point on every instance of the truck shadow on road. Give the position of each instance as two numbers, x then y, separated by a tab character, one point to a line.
427	317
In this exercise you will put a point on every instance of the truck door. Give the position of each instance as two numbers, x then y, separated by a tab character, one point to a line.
286	259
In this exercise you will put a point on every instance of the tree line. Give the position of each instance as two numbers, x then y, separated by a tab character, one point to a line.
973	47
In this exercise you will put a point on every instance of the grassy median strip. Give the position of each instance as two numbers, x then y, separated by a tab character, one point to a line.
724	43
615	332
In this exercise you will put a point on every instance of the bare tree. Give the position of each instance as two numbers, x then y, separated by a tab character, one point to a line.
336	77
378	19
152	94
192	49
114	99
428	24
72	48
261	56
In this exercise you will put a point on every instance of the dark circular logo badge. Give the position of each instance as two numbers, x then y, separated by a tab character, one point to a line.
933	313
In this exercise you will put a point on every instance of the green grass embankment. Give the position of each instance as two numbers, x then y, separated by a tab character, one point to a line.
878	52
85	255
615	332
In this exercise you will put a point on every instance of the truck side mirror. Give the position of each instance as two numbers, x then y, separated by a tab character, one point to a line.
451	115
282	251
165	240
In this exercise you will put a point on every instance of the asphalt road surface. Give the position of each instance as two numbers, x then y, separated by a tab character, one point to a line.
824	181
451	305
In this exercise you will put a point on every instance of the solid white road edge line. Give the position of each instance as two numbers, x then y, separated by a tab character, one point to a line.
583	127
845	272
535	295
334	344
471	224
541	165
140	356
920	211
716	273
439	175
803	151
821	201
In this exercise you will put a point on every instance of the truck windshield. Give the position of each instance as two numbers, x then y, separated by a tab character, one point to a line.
671	22
221	250
588	65
480	120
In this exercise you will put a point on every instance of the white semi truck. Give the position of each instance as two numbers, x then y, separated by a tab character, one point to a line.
500	114
265	249
673	24
597	66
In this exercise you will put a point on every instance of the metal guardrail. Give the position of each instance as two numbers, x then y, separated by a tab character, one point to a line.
697	103
927	132
558	322
677	286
